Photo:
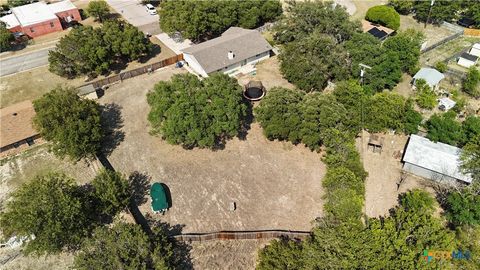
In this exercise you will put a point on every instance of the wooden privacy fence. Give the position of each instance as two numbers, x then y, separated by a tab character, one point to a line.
241	235
135	72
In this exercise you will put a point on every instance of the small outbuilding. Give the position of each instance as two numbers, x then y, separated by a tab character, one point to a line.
430	75
436	161
16	129
475	50
446	104
467	60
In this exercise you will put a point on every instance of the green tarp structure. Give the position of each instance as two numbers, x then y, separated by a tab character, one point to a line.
159	198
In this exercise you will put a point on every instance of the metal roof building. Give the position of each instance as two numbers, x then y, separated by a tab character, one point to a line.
436	161
430	75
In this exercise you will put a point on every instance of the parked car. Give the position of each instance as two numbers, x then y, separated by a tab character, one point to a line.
151	9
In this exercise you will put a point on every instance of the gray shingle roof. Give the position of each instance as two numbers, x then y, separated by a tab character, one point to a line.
430	75
438	157
212	54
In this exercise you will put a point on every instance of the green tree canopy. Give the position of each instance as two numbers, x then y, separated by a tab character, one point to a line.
311	62
112	191
70	123
471	84
385	111
92	51
365	49
6	37
441	11
353	97
463	207
194	113
384	15
50	208
98	9
470	157
445	128
305	17
406	44
412	118
471	128
198	20
123	246
402	6
279	114
320	112
425	97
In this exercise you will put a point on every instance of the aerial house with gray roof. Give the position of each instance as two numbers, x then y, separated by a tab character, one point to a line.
436	161
234	49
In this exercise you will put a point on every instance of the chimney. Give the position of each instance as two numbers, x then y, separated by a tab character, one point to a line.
231	55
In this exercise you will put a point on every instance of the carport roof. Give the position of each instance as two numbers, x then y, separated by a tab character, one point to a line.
430	75
437	157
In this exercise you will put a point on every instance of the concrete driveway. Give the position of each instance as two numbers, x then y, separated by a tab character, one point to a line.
136	14
24	62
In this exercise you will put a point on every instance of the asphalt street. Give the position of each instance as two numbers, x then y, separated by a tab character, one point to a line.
24	62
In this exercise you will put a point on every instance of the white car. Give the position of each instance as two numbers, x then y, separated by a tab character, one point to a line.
151	9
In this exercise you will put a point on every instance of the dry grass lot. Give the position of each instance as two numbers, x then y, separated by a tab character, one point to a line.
268	71
384	171
274	184
237	254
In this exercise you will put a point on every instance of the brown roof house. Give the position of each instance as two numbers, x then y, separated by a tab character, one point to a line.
16	128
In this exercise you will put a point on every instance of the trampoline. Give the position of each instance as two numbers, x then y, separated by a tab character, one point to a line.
159	198
254	90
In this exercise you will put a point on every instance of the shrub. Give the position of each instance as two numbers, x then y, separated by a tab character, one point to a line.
444	128
426	97
112	191
98	9
6	37
384	15
463	208
441	66
471	84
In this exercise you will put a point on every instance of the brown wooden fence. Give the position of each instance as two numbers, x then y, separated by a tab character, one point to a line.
135	72
239	235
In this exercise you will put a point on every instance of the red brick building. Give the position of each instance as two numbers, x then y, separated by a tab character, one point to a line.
40	18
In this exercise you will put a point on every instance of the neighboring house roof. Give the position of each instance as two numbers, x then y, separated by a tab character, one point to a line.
10	20
61	6
16	123
437	157
430	75
212	55
469	57
376	30
33	13
476	46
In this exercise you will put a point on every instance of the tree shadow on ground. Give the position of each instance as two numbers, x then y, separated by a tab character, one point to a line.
156	50
140	186
112	123
247	122
181	250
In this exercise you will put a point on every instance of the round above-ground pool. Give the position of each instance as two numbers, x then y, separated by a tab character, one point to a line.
254	91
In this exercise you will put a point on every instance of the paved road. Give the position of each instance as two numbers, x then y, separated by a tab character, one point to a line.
136	14
24	62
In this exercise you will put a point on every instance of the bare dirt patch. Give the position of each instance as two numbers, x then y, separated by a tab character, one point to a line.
384	170
274	184
268	71
230	254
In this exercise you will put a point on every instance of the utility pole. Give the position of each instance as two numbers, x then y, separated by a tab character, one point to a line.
429	12
363	67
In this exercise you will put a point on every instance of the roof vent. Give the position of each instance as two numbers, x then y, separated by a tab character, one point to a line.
231	55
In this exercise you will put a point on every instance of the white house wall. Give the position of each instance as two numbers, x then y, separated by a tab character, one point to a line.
426	173
194	65
250	61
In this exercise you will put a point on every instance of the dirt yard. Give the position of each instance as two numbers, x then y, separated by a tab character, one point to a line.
384	171
238	254
274	184
268	71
